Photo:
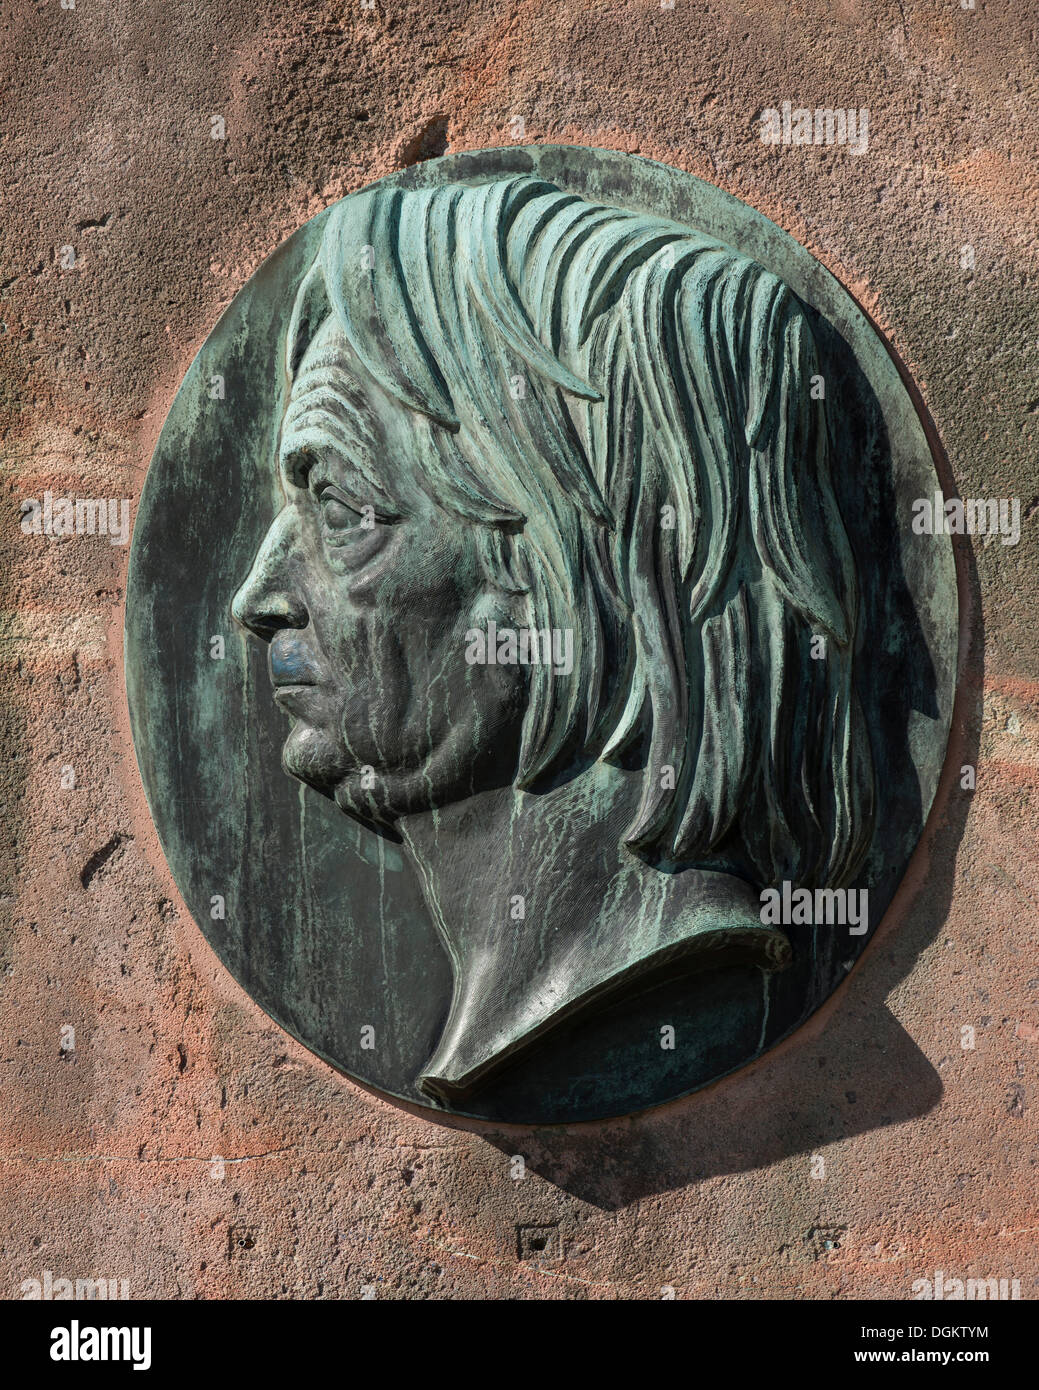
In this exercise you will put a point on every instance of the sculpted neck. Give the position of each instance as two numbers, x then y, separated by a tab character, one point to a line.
544	915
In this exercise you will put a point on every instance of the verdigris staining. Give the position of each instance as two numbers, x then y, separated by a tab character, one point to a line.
566	516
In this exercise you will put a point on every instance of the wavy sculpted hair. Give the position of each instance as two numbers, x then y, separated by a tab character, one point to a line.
623	408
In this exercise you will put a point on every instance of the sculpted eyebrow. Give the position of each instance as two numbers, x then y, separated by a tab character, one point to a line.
347	456
325	420
330	418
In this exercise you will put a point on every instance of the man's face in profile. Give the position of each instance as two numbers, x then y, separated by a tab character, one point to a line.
365	621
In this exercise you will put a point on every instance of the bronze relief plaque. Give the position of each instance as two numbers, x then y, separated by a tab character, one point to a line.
536	679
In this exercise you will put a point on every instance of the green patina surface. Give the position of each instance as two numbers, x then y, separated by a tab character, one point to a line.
561	390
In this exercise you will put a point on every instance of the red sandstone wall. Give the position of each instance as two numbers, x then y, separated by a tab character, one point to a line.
106	1150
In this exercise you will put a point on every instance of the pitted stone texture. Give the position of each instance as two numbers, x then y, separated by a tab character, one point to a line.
929	1148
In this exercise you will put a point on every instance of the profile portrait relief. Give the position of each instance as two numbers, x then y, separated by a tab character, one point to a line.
537	683
560	594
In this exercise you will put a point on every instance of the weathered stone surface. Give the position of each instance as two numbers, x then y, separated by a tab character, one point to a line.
930	1147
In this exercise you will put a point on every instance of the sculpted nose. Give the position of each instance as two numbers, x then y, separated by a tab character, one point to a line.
267	601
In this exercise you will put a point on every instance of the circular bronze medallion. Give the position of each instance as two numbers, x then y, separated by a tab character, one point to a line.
538	674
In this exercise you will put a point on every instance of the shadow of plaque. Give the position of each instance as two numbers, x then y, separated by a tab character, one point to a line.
568	504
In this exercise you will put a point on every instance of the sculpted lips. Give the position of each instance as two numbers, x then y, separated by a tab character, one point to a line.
290	665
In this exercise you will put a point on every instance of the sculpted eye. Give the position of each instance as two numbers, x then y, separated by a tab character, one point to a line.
336	512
